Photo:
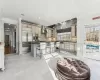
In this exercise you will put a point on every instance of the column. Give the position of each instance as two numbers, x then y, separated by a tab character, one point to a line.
17	39
80	38
13	39
43	47
20	35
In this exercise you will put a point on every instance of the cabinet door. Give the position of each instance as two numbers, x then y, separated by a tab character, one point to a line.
24	36
49	33
29	37
39	31
36	30
33	30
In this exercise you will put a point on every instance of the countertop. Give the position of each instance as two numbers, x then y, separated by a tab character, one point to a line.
37	42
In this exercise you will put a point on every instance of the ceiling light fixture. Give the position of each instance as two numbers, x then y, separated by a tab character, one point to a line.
7	30
22	15
39	17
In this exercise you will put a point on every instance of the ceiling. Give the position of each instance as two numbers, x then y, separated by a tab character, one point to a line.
48	12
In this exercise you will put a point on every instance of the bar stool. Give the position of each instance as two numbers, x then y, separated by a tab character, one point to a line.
48	48
52	47
38	52
41	48
58	46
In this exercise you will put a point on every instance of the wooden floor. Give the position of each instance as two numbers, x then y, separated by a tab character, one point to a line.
7	50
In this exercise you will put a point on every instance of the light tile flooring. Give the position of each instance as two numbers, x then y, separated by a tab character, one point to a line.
93	65
25	67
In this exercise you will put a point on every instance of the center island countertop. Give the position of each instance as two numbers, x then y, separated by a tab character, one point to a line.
37	42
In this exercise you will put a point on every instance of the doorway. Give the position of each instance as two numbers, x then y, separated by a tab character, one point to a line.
9	38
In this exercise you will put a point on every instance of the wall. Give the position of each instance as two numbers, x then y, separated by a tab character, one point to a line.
1	45
10	21
81	23
1	31
2	21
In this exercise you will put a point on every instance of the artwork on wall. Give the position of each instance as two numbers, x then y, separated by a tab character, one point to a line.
92	39
92	34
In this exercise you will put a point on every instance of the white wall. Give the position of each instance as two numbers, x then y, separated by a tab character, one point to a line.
1	45
15	22
9	20
2	21
81	23
1	31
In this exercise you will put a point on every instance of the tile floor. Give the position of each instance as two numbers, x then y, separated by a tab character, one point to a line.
94	65
25	67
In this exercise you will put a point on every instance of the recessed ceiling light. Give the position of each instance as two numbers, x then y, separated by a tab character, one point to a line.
7	30
39	17
22	15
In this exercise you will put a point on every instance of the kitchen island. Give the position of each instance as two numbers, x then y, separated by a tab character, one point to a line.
41	47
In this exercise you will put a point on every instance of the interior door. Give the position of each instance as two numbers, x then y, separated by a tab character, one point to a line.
7	45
